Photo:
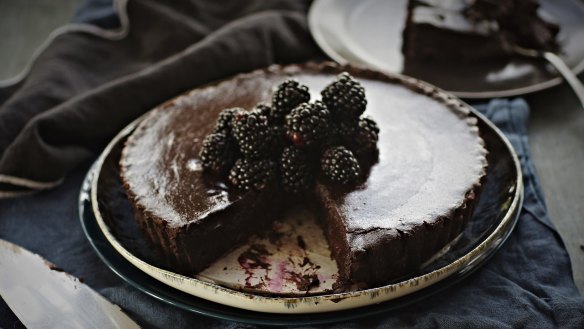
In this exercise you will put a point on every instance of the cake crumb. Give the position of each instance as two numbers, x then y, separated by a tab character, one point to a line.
301	242
54	267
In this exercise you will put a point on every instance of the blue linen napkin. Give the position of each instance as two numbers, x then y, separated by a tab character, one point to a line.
528	283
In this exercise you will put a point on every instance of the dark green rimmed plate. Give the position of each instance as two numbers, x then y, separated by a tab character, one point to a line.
496	215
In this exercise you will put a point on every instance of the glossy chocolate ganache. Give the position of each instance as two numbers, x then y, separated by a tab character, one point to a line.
415	199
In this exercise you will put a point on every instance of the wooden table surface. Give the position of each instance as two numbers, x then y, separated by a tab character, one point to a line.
556	127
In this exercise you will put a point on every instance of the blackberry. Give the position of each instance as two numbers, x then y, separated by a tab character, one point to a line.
308	124
223	124
340	133
249	174
367	133
218	153
251	133
333	137
361	136
278	140
295	173
339	165
264	109
288	95
345	98
347	129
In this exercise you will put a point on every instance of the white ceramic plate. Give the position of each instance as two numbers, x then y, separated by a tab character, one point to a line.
369	32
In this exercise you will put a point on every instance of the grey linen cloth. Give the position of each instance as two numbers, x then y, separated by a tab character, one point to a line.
87	84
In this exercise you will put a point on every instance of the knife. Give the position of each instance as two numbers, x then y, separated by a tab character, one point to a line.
43	296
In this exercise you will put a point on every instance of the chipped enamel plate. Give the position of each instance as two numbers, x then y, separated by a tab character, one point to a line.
107	218
369	32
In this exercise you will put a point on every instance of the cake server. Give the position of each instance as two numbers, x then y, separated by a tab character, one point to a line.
559	65
43	296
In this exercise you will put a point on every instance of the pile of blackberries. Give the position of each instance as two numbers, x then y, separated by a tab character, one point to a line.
293	141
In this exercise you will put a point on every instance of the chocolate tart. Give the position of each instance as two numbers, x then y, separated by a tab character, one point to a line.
416	198
472	31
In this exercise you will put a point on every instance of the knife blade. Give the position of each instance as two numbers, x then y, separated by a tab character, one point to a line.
43	296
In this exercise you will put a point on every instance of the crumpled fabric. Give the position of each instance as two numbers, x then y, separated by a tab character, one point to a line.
91	82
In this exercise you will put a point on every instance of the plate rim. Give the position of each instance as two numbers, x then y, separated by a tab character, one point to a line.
314	304
313	23
241	315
